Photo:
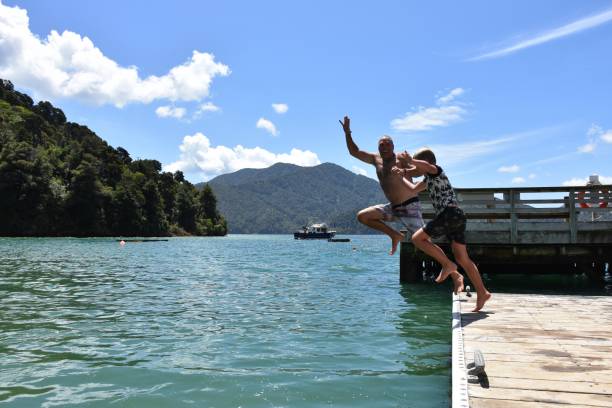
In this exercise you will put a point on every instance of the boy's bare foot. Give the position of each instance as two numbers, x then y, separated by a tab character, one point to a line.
395	240
457	282
481	300
446	271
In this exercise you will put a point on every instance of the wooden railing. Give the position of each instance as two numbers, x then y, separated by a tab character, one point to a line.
513	206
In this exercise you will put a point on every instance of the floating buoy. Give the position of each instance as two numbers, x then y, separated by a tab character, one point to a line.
122	242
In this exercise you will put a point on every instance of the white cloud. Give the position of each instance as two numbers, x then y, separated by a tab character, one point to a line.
518	180
280	107
594	130
532	176
198	156
203	108
360	171
587	148
265	124
461	153
577	181
68	65
509	169
208	107
559	32
480	155
443	100
170	112
426	118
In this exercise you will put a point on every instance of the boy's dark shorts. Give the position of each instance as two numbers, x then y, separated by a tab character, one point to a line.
450	223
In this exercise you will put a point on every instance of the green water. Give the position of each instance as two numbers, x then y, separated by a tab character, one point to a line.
239	321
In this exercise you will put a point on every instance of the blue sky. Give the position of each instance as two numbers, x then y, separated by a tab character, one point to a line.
507	93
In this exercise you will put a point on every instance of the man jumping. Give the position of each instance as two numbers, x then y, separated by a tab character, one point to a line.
396	182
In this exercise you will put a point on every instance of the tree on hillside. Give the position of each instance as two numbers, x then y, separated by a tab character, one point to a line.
186	207
155	217
208	204
85	202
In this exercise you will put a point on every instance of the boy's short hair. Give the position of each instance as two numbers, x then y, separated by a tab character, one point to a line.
425	154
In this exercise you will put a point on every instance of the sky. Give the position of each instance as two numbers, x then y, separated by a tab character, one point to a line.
506	93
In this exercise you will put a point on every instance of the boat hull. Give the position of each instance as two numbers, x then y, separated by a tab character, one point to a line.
313	235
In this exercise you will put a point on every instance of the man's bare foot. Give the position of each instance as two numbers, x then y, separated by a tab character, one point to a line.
446	271
481	300
457	282
395	240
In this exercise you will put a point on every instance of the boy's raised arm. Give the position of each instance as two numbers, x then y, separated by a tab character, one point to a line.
352	147
421	166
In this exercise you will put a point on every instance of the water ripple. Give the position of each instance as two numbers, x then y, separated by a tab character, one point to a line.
236	321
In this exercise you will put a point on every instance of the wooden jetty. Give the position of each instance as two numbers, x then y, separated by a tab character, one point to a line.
539	350
524	230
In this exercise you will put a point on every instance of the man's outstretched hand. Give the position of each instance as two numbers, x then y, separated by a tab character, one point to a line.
346	125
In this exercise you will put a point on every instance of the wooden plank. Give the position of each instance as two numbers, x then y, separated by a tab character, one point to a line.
549	385
551	397
528	190
541	350
492	403
572	218
554	369
543	201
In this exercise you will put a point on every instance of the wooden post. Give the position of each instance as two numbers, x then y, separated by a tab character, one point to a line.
513	218
572	218
409	266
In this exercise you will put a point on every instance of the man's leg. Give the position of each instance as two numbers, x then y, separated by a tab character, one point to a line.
373	218
422	240
461	256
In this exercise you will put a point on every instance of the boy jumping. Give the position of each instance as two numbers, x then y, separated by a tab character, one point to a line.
449	221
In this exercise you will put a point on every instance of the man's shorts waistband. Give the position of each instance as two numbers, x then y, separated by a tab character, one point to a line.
408	201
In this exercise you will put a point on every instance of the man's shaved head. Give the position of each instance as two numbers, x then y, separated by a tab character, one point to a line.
385	147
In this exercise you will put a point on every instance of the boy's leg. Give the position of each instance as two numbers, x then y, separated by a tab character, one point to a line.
422	240
462	257
373	217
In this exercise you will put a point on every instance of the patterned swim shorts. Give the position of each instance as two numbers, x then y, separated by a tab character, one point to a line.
450	223
409	215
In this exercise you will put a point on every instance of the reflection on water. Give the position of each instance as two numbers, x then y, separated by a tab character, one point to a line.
426	328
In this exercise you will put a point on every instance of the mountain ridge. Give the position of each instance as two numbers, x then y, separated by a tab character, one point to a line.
284	197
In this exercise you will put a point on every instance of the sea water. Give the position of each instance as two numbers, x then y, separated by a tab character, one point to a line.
237	321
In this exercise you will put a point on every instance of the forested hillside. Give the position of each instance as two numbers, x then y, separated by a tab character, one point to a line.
59	178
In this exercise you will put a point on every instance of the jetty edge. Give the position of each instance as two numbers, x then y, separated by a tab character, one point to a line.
566	230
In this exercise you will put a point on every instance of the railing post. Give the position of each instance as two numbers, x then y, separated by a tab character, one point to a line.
572	218
513	218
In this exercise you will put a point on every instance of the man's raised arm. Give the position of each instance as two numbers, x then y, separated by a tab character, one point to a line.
352	147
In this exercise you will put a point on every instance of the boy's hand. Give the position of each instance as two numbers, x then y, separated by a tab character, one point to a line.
346	125
397	170
405	157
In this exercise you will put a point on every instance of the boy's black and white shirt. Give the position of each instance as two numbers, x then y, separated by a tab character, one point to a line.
440	191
